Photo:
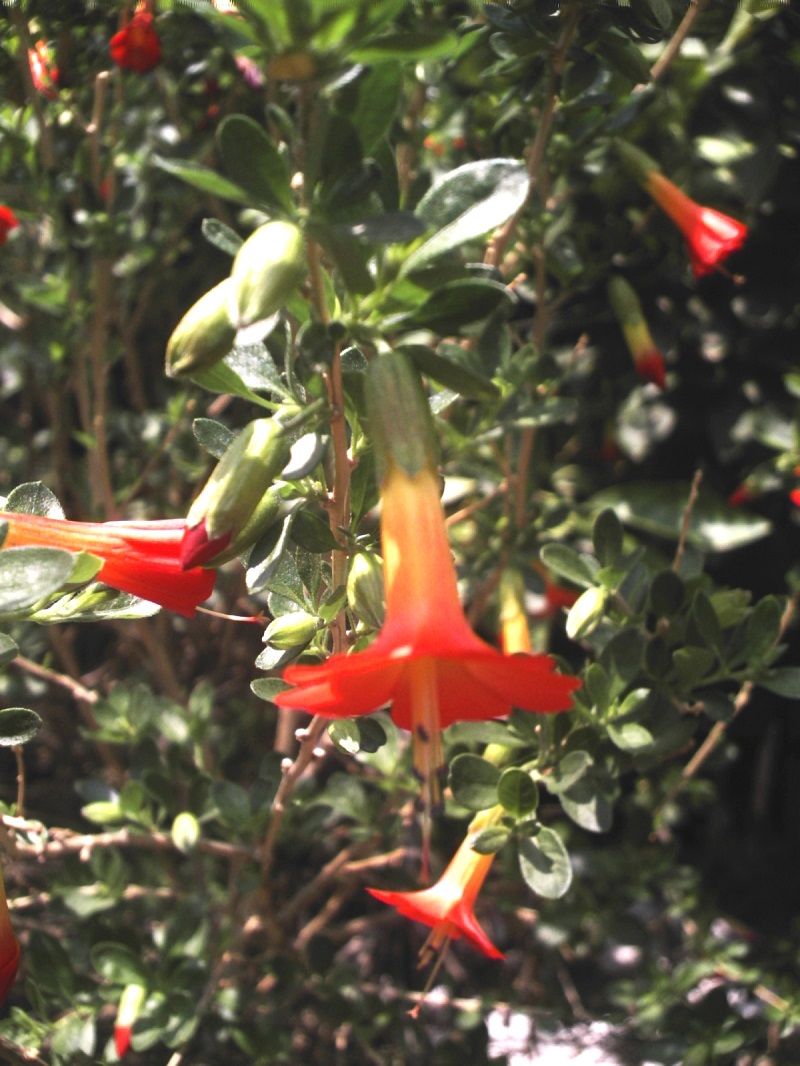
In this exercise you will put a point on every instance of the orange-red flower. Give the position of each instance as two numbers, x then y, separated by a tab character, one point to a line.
447	906
9	947
137	45
141	558
710	236
426	661
8	221
44	71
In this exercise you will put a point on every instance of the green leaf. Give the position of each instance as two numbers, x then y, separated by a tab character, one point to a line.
691	664
490	840
18	725
457	304
8	649
466	204
666	593
221	236
203	178
29	575
703	621
118	964
630	736
784	681
212	436
256	368
764	627
658	508
568	771
474	782
566	562
586	613
352	735
517	792
267	688
417	45
447	372
34	498
393	227
588	802
253	161
221	379
545	864
607	537
370	102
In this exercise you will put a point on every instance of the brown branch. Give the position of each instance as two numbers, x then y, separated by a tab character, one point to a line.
65	842
78	691
674	45
694	492
16	1055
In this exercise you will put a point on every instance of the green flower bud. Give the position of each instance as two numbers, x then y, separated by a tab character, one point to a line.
400	420
267	269
365	591
204	335
269	510
292	630
231	496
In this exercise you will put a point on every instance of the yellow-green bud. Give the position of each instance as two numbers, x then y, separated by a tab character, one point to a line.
267	269
268	510
365	590
292	630
231	496
637	163
204	335
400	420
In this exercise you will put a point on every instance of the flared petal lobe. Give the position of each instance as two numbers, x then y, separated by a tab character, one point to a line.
137	46
140	558
447	906
710	236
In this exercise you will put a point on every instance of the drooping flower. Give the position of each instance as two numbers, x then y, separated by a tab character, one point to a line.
647	359
710	236
448	905
44	71
137	45
426	662
8	221
9	947
141	558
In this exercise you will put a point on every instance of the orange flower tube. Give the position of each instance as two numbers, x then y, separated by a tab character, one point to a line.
9	947
426	662
448	905
141	558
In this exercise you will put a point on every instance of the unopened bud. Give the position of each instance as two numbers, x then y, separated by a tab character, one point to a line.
267	269
204	335
231	495
292	630
365	590
130	1005
638	164
647	358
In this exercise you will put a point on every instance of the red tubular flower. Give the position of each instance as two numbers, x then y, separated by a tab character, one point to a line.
44	72
8	221
447	906
710	236
141	558
426	662
136	46
9	948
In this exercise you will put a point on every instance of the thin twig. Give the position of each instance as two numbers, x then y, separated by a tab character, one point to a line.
65	842
497	245
16	1055
694	492
717	732
75	688
677	39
